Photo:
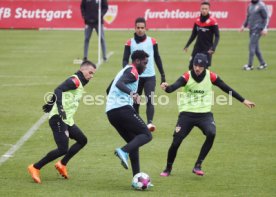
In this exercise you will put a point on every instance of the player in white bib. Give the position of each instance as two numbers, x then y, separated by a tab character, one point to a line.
147	81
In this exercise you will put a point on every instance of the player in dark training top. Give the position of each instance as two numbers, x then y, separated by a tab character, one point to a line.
207	33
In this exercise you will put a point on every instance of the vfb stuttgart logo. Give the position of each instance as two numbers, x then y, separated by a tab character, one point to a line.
111	14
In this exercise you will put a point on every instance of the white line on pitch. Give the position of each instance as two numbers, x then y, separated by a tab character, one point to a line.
23	139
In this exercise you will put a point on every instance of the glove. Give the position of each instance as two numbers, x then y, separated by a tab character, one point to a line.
47	108
163	78
49	105
61	112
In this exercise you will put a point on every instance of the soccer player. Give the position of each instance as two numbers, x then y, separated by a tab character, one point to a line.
147	81
207	32
121	114
257	20
89	12
195	109
62	108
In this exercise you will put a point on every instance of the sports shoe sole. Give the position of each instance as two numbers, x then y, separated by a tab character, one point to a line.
198	173
165	174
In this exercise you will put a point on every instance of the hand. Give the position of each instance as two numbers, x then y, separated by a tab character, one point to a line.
47	107
211	51
136	98
241	29
163	78
185	49
264	32
249	104
164	85
61	112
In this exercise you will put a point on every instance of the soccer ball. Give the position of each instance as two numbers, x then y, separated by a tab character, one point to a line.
141	181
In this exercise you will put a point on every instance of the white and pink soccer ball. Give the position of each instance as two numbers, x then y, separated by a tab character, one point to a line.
141	181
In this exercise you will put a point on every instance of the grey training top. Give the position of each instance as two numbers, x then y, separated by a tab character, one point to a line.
257	16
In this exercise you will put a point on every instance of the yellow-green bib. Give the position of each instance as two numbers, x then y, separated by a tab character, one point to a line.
70	102
196	97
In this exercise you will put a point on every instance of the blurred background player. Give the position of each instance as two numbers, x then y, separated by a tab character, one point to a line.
207	33
257	21
195	109
147	81
121	114
89	11
62	108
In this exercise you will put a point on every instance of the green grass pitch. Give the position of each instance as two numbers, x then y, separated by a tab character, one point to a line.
241	163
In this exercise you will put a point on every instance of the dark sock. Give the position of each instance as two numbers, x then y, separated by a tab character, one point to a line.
54	154
198	164
169	167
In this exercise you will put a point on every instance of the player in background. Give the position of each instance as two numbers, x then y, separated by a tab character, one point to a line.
257	21
90	15
61	109
206	31
147	81
121	114
195	109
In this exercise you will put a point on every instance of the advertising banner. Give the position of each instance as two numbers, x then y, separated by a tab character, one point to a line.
121	15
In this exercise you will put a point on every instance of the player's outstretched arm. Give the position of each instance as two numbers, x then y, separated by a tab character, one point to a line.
191	39
180	82
249	104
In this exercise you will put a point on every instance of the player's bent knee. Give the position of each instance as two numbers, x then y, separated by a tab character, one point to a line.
84	141
149	136
211	134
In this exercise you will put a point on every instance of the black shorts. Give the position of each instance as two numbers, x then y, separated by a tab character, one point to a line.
187	120
127	122
62	132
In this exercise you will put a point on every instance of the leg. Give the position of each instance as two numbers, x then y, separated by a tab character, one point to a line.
134	160
209	57
252	47
134	155
191	62
134	132
183	128
149	86
208	127
258	52
139	91
192	59
58	127
81	140
87	35
103	44
141	137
